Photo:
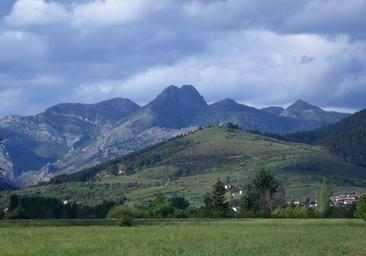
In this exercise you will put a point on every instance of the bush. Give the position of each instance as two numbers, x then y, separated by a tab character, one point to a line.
123	210
179	202
299	212
178	214
342	212
162	210
125	221
160	207
361	208
16	214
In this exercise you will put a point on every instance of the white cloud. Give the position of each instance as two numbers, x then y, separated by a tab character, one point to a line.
36	12
113	12
260	67
20	48
329	16
89	14
7	102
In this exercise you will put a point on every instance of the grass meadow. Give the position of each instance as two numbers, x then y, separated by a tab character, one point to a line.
190	237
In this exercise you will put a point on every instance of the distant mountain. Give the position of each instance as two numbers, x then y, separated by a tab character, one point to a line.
176	105
302	110
229	111
32	142
273	110
189	165
106	111
346	138
68	137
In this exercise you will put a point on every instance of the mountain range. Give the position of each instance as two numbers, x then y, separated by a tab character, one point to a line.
69	137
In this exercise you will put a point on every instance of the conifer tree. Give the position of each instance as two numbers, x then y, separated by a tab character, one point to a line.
219	202
324	199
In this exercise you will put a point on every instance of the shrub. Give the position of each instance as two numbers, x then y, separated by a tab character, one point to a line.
178	214
299	212
361	208
179	202
342	212
279	212
162	210
160	207
125	221
123	210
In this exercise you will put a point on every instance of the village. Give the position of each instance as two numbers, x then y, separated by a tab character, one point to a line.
341	200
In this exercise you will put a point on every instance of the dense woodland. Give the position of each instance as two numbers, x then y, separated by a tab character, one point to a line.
346	138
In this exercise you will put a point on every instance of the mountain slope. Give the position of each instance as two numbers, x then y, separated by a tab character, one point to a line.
273	110
32	142
302	110
190	164
346	138
229	111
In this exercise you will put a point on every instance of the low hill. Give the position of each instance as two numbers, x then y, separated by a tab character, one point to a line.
190	164
346	138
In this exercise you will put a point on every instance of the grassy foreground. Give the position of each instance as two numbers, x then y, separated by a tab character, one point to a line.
242	237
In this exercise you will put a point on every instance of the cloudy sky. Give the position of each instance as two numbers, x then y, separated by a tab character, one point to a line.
257	52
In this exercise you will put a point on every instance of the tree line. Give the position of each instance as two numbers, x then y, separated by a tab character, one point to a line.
36	207
264	197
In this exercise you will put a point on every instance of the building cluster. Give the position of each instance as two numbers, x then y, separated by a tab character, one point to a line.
335	200
343	200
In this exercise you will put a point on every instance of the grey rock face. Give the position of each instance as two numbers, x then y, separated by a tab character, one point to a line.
31	143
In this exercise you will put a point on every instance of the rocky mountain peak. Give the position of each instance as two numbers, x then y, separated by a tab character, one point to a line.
301	105
186	97
108	110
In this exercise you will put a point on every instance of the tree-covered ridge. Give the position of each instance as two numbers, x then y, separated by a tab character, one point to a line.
346	138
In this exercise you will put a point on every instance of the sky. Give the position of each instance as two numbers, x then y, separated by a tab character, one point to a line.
257	52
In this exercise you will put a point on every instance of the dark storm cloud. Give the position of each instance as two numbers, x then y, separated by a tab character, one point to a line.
255	51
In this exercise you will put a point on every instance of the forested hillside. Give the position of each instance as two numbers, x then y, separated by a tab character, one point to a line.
346	138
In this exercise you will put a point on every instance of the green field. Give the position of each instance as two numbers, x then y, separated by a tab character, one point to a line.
228	237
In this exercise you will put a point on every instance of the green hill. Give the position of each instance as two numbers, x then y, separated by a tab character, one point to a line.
190	164
346	138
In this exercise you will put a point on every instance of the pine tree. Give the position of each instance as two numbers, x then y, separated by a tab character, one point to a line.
260	194
324	199
219	202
